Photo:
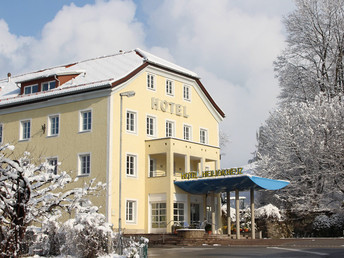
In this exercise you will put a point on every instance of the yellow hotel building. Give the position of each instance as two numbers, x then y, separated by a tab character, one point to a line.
130	112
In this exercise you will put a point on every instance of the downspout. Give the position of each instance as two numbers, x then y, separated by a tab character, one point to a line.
58	81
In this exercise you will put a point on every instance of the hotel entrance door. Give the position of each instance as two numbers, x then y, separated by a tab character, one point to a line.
195	214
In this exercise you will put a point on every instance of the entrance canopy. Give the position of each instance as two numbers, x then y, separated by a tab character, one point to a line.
229	184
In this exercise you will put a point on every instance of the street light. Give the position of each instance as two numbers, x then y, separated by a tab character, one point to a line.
120	247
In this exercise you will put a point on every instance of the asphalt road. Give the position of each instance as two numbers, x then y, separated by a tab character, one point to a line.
246	251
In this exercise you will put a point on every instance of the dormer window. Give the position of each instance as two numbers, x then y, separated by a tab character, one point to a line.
31	89
48	85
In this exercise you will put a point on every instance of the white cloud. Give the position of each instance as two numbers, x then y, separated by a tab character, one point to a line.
12	50
92	30
75	33
233	51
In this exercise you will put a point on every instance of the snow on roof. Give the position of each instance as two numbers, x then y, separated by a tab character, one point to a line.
91	73
164	63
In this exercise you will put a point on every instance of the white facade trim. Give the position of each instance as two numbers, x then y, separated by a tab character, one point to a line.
109	147
59	100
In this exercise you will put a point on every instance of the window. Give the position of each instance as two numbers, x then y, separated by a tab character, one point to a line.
186	93
169	87
152	167
86	121
131	121
1	134
31	89
53	162
151	81
169	129
203	136
84	164
54	125
48	85
159	215
131	165
130	211
178	212
150	126
187	132
25	127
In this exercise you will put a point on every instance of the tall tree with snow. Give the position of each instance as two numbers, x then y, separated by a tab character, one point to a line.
31	193
303	140
312	63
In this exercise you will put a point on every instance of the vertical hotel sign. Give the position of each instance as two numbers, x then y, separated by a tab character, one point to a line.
212	173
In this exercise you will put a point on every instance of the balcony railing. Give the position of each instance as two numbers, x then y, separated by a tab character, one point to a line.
157	174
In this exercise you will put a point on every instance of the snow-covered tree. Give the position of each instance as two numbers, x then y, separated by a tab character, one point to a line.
312	63
304	143
303	140
32	193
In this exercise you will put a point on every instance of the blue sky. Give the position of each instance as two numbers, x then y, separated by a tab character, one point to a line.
231	44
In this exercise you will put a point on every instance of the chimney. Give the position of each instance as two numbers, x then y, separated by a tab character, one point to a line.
9	77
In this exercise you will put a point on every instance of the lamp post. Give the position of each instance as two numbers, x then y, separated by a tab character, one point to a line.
120	247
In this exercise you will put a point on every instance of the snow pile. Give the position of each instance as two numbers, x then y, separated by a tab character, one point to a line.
232	211
268	211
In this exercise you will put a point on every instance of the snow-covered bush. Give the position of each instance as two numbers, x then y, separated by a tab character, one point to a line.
268	211
322	222
133	246
86	235
329	225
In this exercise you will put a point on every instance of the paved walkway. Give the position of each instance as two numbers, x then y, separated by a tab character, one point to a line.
289	242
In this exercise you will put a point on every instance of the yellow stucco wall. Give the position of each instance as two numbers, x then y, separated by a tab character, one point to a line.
69	142
199	116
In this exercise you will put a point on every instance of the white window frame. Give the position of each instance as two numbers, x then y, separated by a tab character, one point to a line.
51	131
134	208
49	85
179	212
151	131
128	126
190	132
187	92
23	134
169	87
205	140
151	78
134	160
52	160
1	132
81	165
81	121
173	128
161	223
31	89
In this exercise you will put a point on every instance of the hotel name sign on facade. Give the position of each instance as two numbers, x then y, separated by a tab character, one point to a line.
213	173
166	106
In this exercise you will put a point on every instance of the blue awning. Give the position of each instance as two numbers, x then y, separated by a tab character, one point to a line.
229	184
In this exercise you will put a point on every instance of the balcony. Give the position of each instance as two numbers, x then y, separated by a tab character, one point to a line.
172	157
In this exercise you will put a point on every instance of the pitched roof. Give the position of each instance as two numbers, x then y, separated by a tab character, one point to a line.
105	71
